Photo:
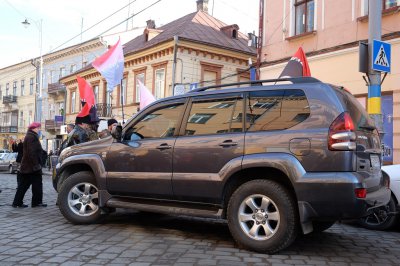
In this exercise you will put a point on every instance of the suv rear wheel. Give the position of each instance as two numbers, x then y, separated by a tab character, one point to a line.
262	216
78	199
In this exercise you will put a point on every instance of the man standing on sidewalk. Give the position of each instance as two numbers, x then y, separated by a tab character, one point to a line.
31	169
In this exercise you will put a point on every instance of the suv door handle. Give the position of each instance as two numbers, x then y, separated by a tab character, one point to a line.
228	143
164	146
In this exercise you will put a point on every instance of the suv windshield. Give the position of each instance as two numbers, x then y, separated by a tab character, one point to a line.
360	117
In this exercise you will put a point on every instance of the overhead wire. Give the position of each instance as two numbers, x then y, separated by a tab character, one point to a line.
80	45
94	25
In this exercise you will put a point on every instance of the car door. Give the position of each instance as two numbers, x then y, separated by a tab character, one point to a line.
211	137
141	164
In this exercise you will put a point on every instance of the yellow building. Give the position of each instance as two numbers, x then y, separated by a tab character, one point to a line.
18	91
21	101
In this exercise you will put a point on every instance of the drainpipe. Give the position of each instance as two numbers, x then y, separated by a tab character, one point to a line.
174	63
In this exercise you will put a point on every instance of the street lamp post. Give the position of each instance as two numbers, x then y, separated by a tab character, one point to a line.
39	69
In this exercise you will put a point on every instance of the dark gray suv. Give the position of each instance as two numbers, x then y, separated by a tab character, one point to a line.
274	158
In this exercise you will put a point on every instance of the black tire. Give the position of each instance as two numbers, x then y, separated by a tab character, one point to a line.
381	219
272	208
320	226
78	199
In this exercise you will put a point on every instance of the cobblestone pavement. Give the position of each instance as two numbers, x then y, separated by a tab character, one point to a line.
42	236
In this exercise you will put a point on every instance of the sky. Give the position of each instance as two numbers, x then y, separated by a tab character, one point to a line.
61	20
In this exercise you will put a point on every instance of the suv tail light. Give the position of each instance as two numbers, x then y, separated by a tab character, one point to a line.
341	135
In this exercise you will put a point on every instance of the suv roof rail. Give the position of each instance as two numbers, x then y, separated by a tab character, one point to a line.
259	83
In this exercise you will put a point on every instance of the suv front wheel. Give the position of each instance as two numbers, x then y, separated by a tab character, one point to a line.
262	216
78	199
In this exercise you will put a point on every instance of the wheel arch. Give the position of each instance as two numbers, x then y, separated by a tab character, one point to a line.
245	175
79	163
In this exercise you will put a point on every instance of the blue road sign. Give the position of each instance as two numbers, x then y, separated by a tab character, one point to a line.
381	56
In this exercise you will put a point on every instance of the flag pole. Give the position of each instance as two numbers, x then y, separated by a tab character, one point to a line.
122	102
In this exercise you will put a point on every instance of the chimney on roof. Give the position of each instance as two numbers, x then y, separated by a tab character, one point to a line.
202	5
151	24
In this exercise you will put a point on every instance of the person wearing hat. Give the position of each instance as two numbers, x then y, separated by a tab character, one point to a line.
31	169
79	134
110	124
63	145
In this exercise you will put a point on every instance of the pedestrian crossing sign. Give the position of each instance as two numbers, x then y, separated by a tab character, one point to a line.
381	56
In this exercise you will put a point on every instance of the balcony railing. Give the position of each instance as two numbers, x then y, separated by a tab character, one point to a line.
9	99
55	87
9	129
54	124
104	110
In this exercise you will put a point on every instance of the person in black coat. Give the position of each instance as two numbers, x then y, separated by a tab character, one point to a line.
14	146
31	169
20	150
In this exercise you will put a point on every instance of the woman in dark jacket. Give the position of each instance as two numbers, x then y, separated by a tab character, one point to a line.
20	149
31	169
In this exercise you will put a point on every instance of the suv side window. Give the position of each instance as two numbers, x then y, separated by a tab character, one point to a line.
215	117
276	110
160	123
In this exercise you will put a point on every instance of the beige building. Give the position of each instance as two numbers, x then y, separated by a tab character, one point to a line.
24	100
329	32
192	51
17	105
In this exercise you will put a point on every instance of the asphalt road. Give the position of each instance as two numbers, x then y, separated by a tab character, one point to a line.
42	236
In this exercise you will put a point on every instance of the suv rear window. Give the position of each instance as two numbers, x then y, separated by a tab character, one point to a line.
360	117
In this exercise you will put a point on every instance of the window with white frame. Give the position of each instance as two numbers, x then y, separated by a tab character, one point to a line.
72	69
30	117
96	93
15	88
53	76
73	99
139	77
59	108
31	86
122	95
7	88
22	87
21	119
386	4
1	93
303	16
159	83
62	72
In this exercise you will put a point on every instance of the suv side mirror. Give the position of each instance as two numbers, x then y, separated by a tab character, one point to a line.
116	132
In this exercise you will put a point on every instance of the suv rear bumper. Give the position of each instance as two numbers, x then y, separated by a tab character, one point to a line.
333	196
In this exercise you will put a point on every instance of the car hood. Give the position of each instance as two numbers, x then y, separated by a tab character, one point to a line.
90	147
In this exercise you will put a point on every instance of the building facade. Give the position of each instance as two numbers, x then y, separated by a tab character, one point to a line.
24	100
53	101
192	51
18	90
329	32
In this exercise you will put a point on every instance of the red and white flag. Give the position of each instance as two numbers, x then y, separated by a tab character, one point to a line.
297	66
111	65
146	97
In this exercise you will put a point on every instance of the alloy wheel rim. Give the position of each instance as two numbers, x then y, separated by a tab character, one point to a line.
379	216
258	217
83	199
